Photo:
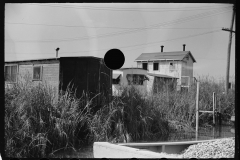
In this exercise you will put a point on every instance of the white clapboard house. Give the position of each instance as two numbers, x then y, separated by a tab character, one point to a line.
165	66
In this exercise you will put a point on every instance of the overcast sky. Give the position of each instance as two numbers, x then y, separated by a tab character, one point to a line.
34	31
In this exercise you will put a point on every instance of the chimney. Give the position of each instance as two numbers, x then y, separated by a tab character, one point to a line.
162	48
184	47
57	49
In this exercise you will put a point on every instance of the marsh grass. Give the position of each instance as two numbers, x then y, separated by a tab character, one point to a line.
36	125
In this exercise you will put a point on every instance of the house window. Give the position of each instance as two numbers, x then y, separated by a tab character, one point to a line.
145	66
37	73
116	79
11	73
172	66
135	79
155	66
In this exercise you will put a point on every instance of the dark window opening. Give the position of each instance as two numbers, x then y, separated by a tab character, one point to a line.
155	66
136	79
116	78
116	81
37	73
11	73
145	66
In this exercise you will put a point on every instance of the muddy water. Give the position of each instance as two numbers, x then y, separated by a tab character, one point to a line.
204	134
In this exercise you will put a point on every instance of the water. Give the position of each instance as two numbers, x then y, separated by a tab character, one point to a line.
82	152
204	134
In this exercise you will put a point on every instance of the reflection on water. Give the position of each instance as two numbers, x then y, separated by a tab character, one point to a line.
83	152
203	134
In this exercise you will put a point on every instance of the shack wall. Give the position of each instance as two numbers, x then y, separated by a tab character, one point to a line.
86	75
50	74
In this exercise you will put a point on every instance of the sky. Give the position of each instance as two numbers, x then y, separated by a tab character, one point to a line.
35	30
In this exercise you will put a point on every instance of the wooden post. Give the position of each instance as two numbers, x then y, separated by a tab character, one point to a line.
214	108
229	51
220	117
197	111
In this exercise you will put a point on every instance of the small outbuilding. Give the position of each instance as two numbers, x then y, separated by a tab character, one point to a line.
159	82
84	74
125	77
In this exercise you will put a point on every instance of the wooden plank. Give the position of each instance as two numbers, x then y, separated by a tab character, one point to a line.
109	150
206	111
197	111
164	143
214	108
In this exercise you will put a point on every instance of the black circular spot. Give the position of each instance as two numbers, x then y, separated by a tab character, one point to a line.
114	59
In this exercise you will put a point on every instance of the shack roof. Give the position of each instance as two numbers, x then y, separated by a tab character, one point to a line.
48	59
160	75
177	55
130	68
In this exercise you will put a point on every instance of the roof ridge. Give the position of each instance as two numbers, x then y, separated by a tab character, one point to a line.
174	55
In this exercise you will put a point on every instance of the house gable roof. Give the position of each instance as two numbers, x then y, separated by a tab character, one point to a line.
178	55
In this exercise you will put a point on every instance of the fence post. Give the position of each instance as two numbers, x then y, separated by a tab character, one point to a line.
220	117
214	108
197	111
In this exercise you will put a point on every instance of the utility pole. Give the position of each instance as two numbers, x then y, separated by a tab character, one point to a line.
229	50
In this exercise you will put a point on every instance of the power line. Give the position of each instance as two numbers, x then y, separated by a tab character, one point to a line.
190	18
154	43
144	44
212	59
58	25
128	9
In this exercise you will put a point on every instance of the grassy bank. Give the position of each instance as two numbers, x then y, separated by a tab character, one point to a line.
38	126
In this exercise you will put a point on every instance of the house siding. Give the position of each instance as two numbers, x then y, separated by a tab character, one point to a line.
164	68
50	74
150	84
139	64
187	68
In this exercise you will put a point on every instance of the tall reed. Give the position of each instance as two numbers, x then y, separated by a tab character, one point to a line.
38	125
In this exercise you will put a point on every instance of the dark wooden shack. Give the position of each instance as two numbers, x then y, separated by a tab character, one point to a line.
83	74
88	75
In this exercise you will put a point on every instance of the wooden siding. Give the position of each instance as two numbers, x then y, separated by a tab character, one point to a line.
157	84
86	75
164	68
187	68
50	74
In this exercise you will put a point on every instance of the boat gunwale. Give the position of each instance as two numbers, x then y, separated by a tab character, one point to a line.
167	143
